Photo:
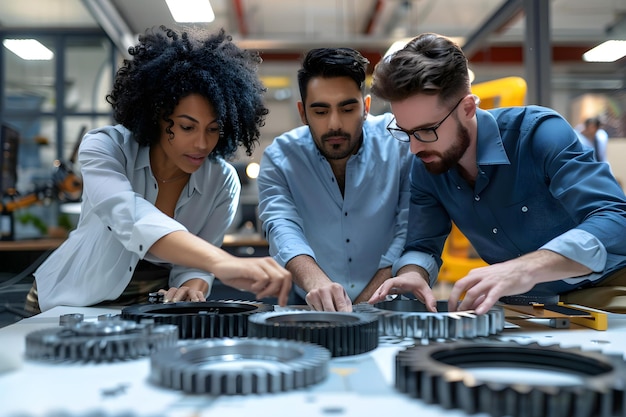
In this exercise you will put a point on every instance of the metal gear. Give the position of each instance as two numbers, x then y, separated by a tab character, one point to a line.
441	373
202	320
106	340
344	334
410	318
232	366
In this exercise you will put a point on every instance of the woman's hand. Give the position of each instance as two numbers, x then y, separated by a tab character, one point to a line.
193	290
410	281
262	276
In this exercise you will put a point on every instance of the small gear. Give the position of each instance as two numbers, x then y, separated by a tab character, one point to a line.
202	320
441	373
108	339
232	366
410	318
343	334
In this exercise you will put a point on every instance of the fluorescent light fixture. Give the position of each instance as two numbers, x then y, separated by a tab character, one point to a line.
608	51
28	49
191	10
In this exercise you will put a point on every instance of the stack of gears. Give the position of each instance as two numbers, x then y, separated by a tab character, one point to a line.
200	348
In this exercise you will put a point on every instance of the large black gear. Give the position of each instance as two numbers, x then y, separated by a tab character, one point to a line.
410	318
441	373
108	339
202	320
240	366
344	334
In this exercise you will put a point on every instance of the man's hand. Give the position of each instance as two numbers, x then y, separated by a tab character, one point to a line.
409	279
483	287
330	297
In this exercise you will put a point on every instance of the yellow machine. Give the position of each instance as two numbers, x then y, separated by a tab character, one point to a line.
458	254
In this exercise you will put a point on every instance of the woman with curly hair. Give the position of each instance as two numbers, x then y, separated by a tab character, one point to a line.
158	194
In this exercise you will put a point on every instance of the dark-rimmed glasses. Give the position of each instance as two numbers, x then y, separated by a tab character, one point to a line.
423	134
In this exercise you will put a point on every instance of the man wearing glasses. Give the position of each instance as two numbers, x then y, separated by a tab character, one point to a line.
533	202
334	193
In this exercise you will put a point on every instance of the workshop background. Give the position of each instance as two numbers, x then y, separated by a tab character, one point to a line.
50	102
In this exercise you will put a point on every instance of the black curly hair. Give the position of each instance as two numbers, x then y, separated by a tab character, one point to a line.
168	65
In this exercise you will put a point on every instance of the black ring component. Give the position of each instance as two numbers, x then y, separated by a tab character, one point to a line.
201	320
344	334
441	373
232	366
411	318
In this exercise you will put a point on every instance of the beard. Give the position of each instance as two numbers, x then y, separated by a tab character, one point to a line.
451	156
338	151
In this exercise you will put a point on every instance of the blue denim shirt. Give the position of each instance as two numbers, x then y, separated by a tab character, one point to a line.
537	188
303	212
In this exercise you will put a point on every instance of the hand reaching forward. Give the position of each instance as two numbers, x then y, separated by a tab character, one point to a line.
262	276
409	281
329	297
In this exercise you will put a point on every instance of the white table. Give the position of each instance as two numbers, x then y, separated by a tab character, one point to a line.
360	385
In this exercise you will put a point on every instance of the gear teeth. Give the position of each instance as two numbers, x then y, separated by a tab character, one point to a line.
344	334
438	374
240	366
203	320
105	341
410	318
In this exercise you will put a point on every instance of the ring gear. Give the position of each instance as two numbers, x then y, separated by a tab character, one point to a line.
441	374
344	334
200	320
411	318
231	366
106	340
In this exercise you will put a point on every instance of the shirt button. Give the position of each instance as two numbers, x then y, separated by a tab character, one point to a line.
477	197
494	230
458	187
347	240
140	247
349	259
524	209
345	214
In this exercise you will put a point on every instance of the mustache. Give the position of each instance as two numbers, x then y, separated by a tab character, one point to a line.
425	154
334	134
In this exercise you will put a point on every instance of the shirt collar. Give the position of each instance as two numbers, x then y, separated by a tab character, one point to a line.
489	149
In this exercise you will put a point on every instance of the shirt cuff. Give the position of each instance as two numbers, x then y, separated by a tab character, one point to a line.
421	259
580	246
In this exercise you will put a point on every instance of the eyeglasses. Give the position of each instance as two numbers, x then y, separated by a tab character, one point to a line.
424	134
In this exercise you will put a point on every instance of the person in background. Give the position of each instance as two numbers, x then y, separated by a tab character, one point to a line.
158	191
593	136
333	194
533	202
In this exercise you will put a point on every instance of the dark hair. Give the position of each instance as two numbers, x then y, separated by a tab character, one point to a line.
593	121
428	64
332	62
167	65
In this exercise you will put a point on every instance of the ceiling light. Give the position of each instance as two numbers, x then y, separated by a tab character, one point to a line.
29	49
608	51
191	10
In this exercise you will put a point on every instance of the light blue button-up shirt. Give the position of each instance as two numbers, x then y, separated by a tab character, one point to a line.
537	188
304	213
119	221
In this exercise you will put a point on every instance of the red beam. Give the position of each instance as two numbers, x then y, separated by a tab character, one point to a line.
515	54
374	13
241	18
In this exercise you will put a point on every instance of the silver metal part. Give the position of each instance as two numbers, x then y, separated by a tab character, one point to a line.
203	320
410	318
108	339
231	366
343	334
445	374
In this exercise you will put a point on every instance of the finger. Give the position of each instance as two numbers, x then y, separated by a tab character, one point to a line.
169	295
180	294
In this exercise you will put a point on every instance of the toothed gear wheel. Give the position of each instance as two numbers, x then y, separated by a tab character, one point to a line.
232	366
441	373
344	334
202	320
106	340
410	318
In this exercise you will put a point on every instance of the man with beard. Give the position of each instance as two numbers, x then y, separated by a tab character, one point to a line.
334	194
533	202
